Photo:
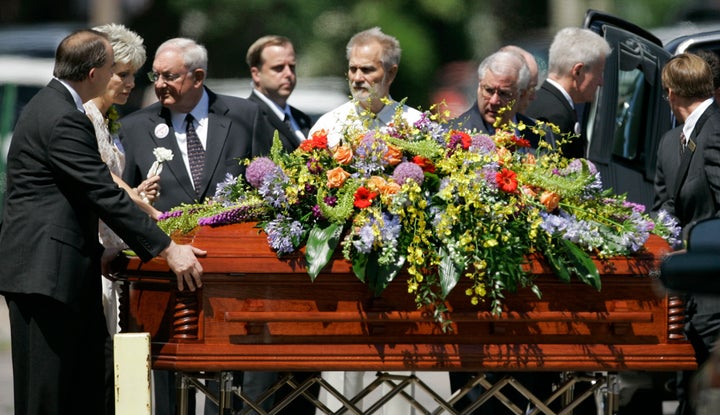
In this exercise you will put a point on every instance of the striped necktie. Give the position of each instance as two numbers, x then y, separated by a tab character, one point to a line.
196	155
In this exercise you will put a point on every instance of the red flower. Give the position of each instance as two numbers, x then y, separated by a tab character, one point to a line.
520	141
363	197
424	163
318	140
506	180
460	138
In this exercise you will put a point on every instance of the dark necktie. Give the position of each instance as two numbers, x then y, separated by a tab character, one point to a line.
289	124
196	154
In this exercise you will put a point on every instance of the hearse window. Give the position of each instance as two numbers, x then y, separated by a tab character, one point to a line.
636	77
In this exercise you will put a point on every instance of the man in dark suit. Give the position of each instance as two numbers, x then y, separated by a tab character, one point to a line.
271	60
576	62
272	66
503	78
58	188
228	129
687	183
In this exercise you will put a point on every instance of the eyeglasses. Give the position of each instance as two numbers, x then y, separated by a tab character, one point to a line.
167	77
504	95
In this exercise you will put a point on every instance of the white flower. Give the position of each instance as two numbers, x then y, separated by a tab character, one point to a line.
162	155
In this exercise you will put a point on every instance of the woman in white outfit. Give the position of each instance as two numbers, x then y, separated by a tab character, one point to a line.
129	57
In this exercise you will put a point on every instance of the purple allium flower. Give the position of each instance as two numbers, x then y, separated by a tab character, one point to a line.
258	170
408	170
489	174
576	166
482	144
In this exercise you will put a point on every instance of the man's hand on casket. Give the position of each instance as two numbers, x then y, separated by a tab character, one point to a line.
182	260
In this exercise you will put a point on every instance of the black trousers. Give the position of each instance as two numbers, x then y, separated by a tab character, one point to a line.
60	356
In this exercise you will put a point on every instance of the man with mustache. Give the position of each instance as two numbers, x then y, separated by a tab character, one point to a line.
373	62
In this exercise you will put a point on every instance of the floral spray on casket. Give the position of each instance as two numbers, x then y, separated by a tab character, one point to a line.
440	203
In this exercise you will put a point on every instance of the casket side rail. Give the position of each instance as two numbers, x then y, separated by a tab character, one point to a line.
258	312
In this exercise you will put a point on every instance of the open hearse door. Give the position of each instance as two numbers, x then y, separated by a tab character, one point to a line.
625	122
629	116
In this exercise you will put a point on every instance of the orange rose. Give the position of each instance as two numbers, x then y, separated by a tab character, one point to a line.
336	177
383	186
343	154
390	188
376	183
550	200
528	191
393	155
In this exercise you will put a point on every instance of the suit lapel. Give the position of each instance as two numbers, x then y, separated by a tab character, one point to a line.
176	166
217	134
287	136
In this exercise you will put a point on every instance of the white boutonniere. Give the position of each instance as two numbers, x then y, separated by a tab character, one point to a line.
162	155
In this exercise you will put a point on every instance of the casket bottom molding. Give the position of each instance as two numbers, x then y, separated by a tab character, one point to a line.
257	312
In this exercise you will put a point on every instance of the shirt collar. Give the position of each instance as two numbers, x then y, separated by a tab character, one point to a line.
386	114
694	116
75	95
277	109
563	91
200	113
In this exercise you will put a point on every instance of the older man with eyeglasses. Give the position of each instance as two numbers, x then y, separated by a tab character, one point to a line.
208	134
503	78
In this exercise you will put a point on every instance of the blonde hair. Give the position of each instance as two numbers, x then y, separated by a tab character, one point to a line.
127	45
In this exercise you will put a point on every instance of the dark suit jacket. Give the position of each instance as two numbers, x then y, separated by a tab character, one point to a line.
58	188
688	186
472	120
550	105
236	131
287	136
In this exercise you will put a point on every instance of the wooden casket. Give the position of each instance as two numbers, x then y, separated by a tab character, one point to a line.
258	312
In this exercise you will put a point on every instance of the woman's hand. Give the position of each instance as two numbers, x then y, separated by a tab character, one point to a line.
149	189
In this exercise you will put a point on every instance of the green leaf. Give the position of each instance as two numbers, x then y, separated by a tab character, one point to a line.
380	276
584	265
557	264
449	272
359	265
320	247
